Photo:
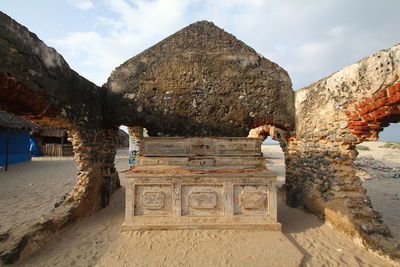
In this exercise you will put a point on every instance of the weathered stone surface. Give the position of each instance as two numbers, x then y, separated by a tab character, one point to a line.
168	193
37	84
201	81
332	116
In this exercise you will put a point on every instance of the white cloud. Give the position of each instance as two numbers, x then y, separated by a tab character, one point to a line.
310	39
81	4
137	25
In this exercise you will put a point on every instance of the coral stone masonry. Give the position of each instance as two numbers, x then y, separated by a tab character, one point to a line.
202	83
332	116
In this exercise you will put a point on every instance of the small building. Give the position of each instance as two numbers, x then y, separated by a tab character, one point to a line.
53	142
14	139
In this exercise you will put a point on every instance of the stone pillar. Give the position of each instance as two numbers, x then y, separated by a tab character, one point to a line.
97	177
135	136
320	177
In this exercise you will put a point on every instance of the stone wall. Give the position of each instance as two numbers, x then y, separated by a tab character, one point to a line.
214	87
332	116
200	81
37	84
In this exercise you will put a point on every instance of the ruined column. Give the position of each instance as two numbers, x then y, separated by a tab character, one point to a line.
97	177
333	115
135	136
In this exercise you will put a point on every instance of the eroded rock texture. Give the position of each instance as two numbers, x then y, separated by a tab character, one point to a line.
37	84
201	81
332	116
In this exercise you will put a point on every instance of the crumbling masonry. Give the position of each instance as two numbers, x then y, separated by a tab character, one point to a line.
203	82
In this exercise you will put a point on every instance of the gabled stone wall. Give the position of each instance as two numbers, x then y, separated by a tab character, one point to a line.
200	81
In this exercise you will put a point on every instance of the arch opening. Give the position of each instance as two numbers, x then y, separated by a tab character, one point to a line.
378	167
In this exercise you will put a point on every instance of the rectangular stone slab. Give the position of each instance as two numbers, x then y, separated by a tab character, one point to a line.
193	201
177	146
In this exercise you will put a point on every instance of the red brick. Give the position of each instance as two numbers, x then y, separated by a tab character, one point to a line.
387	100
374	127
355	118
380	114
347	113
360	132
394	99
380	102
397	87
345	106
358	123
396	77
364	111
382	93
357	127
391	91
369	117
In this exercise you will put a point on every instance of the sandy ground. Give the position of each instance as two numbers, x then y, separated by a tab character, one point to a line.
381	187
97	240
30	189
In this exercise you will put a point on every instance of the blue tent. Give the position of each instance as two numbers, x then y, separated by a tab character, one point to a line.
14	139
18	146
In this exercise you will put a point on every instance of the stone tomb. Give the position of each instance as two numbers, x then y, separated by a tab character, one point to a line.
191	183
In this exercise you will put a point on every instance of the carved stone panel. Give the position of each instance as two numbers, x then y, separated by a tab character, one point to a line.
153	200
250	200
202	200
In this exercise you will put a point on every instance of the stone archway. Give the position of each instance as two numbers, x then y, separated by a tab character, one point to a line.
332	116
216	87
38	85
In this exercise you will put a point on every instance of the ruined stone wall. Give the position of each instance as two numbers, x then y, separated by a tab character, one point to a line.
200	81
37	84
332	116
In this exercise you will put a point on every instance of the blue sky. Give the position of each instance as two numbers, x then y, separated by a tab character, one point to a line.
310	38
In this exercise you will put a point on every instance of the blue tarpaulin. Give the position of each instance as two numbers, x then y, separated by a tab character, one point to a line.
34	149
18	146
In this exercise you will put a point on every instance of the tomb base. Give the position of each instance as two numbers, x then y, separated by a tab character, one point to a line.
200	183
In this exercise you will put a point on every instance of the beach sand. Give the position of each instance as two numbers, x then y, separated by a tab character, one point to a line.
381	187
98	241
